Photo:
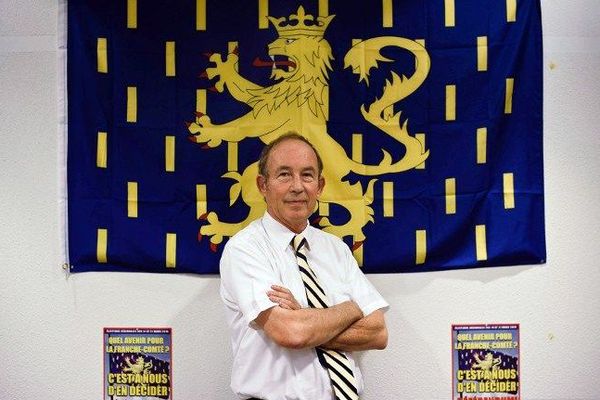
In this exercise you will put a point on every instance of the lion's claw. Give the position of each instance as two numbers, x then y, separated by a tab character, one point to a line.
220	86
203	120
356	245
211	72
203	131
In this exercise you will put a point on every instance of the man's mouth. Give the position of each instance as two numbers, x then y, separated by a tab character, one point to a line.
295	202
276	61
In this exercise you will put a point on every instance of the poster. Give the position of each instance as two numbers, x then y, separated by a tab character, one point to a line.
485	362
137	363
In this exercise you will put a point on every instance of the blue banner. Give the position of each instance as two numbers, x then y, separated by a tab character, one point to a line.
428	116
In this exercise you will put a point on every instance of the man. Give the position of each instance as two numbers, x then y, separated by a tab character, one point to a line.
296	302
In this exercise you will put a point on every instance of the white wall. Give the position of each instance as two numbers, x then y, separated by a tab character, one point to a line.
51	326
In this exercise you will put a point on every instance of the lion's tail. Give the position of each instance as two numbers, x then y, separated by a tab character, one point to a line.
380	113
414	156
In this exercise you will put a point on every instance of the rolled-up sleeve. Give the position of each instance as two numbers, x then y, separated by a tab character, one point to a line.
246	276
362	292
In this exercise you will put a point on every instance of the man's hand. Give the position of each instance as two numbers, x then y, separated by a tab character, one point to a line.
368	333
283	297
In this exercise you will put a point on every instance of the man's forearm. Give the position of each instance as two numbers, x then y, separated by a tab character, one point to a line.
368	333
324	324
308	327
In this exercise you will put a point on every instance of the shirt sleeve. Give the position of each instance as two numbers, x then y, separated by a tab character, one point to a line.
362	292
246	276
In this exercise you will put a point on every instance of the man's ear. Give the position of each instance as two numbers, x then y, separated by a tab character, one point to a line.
261	184
321	185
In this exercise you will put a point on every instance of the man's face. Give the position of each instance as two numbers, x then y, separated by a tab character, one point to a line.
292	184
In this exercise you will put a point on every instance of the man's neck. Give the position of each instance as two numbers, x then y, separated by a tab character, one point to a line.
296	228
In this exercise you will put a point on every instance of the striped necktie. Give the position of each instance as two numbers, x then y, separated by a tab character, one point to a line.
337	364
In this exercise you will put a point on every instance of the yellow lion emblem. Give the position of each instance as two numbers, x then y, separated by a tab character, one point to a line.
298	101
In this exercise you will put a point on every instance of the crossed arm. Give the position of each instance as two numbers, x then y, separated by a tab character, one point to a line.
340	327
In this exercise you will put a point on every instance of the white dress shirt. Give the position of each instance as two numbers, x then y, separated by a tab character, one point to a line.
259	256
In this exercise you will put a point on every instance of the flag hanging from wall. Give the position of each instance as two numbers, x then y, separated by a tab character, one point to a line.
428	115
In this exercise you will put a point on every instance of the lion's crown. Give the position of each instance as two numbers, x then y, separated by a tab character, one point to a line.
305	24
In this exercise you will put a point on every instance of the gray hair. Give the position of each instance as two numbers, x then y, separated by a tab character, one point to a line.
266	151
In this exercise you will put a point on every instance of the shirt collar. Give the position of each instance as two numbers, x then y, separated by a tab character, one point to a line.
280	234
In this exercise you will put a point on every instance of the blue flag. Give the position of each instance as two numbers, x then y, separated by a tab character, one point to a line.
428	116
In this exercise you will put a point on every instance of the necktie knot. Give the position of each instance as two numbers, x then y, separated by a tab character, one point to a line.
299	242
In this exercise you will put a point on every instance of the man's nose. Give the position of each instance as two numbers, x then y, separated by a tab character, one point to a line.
297	184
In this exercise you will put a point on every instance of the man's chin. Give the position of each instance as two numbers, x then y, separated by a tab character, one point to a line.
298	212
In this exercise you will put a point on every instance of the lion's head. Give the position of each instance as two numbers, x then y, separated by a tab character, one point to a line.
300	56
300	63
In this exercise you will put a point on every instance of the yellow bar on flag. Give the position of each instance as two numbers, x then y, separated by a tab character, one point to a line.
450	102
481	145
323	209
101	245
357	147
509	190
131	104
388	199
508	98
388	13
171	250
101	150
511	10
132	14
102	55
201	206
170	58
200	15
451	196
170	153
232	156
132	199
449	18
482	53
323	8
201	100
263	13
421	246
480	243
